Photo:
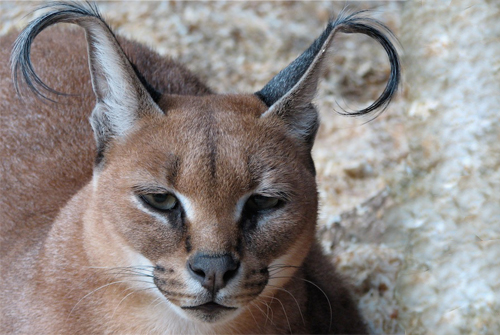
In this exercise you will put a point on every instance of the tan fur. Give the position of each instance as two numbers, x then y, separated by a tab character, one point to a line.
66	230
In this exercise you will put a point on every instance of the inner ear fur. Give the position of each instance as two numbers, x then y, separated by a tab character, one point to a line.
290	93
121	97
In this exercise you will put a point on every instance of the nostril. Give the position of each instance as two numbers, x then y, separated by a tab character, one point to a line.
197	271
200	273
231	273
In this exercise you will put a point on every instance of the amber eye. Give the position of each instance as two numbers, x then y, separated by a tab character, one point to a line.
160	201
262	203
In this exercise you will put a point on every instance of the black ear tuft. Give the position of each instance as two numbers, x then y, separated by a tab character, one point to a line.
122	94
21	52
290	93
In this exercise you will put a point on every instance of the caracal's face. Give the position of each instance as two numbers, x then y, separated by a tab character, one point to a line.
214	198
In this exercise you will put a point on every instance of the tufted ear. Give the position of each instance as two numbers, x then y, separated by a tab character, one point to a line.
290	93
121	98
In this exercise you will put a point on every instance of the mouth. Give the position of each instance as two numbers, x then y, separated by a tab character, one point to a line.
210	312
209	308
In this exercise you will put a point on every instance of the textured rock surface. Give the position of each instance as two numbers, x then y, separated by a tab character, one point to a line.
447	216
410	202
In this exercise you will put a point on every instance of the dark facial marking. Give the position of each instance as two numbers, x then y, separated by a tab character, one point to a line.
188	244
239	246
172	165
212	144
256	284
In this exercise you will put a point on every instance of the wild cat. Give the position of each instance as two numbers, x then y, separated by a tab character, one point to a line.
176	210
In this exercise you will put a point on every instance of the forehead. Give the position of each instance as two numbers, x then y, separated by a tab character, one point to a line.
211	144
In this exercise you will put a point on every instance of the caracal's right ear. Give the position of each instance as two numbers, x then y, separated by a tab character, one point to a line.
121	98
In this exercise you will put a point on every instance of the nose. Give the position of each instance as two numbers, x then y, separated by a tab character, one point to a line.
213	272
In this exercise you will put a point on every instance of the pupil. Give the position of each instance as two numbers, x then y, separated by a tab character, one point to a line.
263	202
160	197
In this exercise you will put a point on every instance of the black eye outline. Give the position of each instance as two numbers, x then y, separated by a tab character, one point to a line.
149	199
259	203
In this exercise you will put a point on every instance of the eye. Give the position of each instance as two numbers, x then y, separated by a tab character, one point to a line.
160	201
261	203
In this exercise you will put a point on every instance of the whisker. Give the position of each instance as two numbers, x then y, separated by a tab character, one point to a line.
276	271
80	284
277	268
123	299
284	311
293	297
130	273
253	317
154	300
158	304
243	295
319	288
265	314
98	289
125	269
110	270
282	266
119	267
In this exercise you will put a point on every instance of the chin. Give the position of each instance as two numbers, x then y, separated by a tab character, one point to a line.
211	313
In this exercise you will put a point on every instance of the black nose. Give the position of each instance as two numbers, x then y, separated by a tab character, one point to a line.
213	272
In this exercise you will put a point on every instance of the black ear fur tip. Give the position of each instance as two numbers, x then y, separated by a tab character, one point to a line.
57	11
20	56
346	22
23	72
359	22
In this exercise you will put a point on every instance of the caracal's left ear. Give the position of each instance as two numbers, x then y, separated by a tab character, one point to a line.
290	93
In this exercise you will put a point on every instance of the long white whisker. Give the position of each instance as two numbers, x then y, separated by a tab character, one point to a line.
158	303
296	302
98	289
130	273
284	311
279	266
154	300
276	271
131	270
253	317
266	314
319	288
123	299
119	267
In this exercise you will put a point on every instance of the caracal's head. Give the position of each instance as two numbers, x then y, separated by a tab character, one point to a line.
210	200
215	196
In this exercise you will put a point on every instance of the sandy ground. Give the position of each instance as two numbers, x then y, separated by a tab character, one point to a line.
370	175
